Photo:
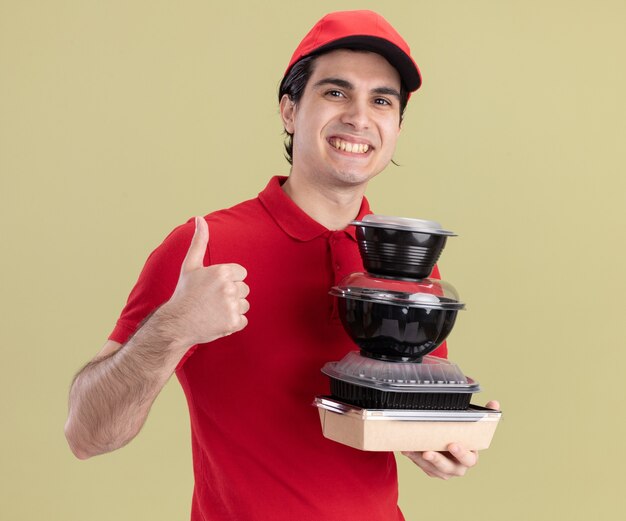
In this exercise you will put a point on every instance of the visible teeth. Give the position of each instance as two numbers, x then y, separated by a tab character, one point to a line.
354	148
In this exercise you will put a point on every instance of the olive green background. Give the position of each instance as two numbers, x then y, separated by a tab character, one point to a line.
120	120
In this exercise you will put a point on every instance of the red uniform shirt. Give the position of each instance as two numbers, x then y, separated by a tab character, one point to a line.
258	448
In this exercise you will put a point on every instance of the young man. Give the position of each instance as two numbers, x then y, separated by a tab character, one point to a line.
248	354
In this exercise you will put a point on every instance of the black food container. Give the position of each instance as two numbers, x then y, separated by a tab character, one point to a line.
396	320
434	384
399	246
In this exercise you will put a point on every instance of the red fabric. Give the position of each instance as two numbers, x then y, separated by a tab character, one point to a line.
258	449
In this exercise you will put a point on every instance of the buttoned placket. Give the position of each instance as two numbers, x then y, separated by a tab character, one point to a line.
340	245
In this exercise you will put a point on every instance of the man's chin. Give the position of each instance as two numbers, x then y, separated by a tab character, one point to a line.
355	178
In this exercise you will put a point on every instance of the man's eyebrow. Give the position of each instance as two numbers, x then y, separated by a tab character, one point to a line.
388	91
344	84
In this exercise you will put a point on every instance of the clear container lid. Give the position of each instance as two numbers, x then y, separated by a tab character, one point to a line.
433	374
472	414
423	293
402	223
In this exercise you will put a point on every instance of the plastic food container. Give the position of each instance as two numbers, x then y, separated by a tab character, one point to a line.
399	246
402	430
396	319
434	384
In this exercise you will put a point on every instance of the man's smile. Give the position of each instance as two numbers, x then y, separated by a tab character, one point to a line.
349	146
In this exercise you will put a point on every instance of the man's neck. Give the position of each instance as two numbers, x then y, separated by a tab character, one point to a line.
333	208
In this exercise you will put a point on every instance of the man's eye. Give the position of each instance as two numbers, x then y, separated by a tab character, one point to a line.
334	93
382	101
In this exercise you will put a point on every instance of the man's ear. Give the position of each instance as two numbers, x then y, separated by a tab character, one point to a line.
287	113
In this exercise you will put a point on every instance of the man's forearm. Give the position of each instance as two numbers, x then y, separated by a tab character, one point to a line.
111	396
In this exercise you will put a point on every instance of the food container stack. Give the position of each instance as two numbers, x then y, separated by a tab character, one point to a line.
392	394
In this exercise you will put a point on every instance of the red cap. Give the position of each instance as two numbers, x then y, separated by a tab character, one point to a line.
360	30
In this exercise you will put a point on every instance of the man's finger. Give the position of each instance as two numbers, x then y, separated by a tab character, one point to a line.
237	272
242	289
244	306
467	458
442	465
197	249
493	404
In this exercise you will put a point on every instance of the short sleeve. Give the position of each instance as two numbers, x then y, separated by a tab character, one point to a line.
156	282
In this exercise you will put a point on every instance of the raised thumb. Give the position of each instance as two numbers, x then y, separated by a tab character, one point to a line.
197	249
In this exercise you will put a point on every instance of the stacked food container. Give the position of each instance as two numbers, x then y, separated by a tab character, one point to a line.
392	394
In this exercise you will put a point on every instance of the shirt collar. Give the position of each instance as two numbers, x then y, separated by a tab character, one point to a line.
293	221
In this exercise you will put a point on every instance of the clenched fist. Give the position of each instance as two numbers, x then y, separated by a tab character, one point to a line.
208	302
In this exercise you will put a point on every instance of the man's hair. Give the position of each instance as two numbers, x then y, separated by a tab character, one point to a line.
294	83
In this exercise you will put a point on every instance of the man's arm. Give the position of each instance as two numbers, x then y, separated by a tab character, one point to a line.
111	396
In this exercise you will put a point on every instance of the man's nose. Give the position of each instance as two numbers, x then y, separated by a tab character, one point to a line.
357	114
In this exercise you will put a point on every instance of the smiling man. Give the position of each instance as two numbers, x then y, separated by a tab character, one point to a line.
244	318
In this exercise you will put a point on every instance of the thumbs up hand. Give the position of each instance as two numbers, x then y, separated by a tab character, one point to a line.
208	302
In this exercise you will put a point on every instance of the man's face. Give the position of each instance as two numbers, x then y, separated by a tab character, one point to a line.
346	124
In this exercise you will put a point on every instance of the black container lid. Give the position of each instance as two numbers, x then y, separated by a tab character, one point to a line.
402	223
423	293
